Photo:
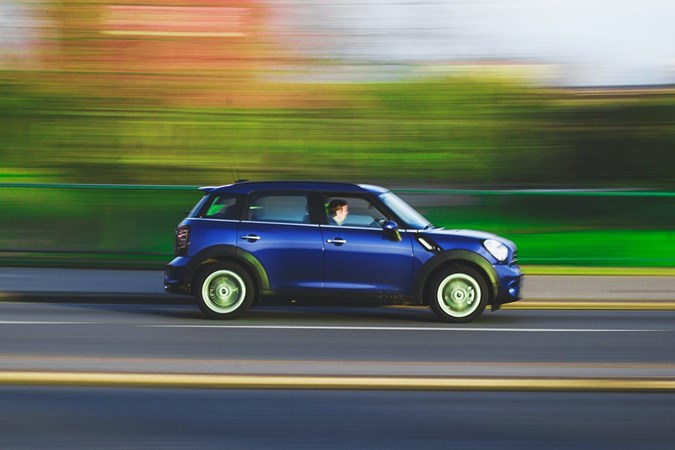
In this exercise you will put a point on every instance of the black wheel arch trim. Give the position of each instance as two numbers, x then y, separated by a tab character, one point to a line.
228	253
456	257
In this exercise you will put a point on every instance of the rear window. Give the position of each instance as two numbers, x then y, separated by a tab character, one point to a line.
222	207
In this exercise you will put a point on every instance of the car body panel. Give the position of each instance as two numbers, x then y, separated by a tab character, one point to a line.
291	253
205	232
320	259
367	260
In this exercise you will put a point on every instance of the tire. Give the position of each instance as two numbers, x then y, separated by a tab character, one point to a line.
224	291
458	294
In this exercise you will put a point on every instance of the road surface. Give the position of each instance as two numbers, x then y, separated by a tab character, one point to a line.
92	359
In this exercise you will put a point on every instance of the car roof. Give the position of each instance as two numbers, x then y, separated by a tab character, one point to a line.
246	187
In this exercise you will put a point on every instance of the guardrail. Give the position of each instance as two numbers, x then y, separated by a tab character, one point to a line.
131	226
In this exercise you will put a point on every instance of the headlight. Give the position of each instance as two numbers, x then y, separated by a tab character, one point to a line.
497	249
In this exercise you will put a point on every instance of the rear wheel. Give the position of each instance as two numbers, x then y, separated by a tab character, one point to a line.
224	291
458	294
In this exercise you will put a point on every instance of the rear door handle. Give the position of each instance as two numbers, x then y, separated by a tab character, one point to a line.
250	237
336	241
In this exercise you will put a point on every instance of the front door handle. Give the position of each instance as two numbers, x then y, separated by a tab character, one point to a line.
250	237
337	241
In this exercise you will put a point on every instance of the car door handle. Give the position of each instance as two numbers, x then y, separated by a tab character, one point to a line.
337	241
250	237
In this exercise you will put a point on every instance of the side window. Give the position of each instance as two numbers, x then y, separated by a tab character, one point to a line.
222	207
360	212
279	208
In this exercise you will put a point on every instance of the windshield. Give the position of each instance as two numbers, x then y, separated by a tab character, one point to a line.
406	212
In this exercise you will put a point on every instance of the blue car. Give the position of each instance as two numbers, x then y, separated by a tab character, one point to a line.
250	240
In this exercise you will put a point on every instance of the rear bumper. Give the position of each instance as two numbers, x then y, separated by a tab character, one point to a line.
175	279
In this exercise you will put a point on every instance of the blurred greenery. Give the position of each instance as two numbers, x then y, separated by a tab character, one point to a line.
451	133
574	228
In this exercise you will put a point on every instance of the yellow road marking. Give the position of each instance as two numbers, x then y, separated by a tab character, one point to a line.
200	381
593	305
598	271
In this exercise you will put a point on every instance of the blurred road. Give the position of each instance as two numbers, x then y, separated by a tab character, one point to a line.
101	359
92	418
121	321
342	341
102	343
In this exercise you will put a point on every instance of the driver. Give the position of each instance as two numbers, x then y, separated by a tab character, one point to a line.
338	210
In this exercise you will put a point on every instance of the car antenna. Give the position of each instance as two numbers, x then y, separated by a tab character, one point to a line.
235	173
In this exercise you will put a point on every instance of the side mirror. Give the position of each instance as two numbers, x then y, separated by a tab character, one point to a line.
391	230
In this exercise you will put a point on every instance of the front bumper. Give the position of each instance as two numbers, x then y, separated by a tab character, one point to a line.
510	285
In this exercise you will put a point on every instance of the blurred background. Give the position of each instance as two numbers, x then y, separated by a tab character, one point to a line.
549	122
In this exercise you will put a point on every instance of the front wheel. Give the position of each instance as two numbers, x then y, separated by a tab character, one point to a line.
458	294
224	291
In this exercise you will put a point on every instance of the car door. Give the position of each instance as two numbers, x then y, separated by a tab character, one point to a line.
359	255
277	232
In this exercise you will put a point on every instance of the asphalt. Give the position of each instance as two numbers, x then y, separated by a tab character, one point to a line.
570	373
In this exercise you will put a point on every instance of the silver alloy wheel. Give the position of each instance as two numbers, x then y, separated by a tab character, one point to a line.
459	295
223	291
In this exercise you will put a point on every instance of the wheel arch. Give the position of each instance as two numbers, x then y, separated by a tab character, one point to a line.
228	253
456	258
